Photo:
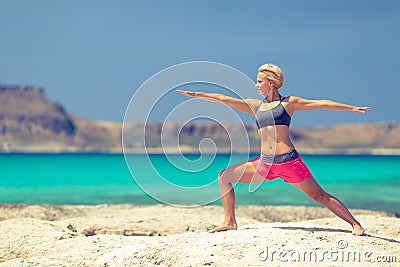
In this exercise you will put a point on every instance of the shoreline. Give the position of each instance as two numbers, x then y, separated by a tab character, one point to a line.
148	235
160	151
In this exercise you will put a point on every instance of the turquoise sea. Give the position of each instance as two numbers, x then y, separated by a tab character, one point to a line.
360	181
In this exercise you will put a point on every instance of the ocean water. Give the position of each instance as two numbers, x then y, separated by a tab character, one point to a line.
359	181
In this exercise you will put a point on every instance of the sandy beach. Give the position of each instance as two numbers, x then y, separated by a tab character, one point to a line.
161	235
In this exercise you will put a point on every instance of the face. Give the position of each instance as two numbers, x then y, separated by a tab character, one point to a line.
263	84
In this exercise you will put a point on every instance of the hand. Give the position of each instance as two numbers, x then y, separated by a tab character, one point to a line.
360	109
188	93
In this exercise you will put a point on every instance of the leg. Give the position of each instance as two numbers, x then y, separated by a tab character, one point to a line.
312	189
243	172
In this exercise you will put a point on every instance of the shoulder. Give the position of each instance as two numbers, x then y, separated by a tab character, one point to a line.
253	103
299	103
292	99
294	103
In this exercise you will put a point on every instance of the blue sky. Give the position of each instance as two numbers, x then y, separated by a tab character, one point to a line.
91	56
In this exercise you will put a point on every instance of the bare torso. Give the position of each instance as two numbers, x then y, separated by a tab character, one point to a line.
275	139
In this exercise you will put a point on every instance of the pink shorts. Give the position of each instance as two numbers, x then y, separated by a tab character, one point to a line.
292	171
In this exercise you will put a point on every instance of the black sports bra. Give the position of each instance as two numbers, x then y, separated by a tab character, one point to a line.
274	116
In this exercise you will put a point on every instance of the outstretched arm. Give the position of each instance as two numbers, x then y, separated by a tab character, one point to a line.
243	105
299	103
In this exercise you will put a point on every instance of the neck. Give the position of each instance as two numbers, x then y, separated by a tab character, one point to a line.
273	96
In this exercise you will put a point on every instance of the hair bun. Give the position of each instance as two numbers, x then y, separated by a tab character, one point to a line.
273	73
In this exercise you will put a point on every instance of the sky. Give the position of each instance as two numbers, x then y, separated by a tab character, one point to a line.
91	56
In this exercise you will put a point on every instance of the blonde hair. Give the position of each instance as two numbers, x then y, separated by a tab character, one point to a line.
273	74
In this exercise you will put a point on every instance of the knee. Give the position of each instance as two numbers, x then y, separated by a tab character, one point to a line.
322	197
221	176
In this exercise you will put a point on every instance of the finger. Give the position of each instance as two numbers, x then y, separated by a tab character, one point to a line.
182	92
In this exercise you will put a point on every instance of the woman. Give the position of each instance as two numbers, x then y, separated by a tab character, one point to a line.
279	157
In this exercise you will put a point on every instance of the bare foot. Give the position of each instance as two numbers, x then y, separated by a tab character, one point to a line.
358	230
224	227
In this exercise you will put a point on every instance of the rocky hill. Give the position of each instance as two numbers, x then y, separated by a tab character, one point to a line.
26	110
30	122
377	138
